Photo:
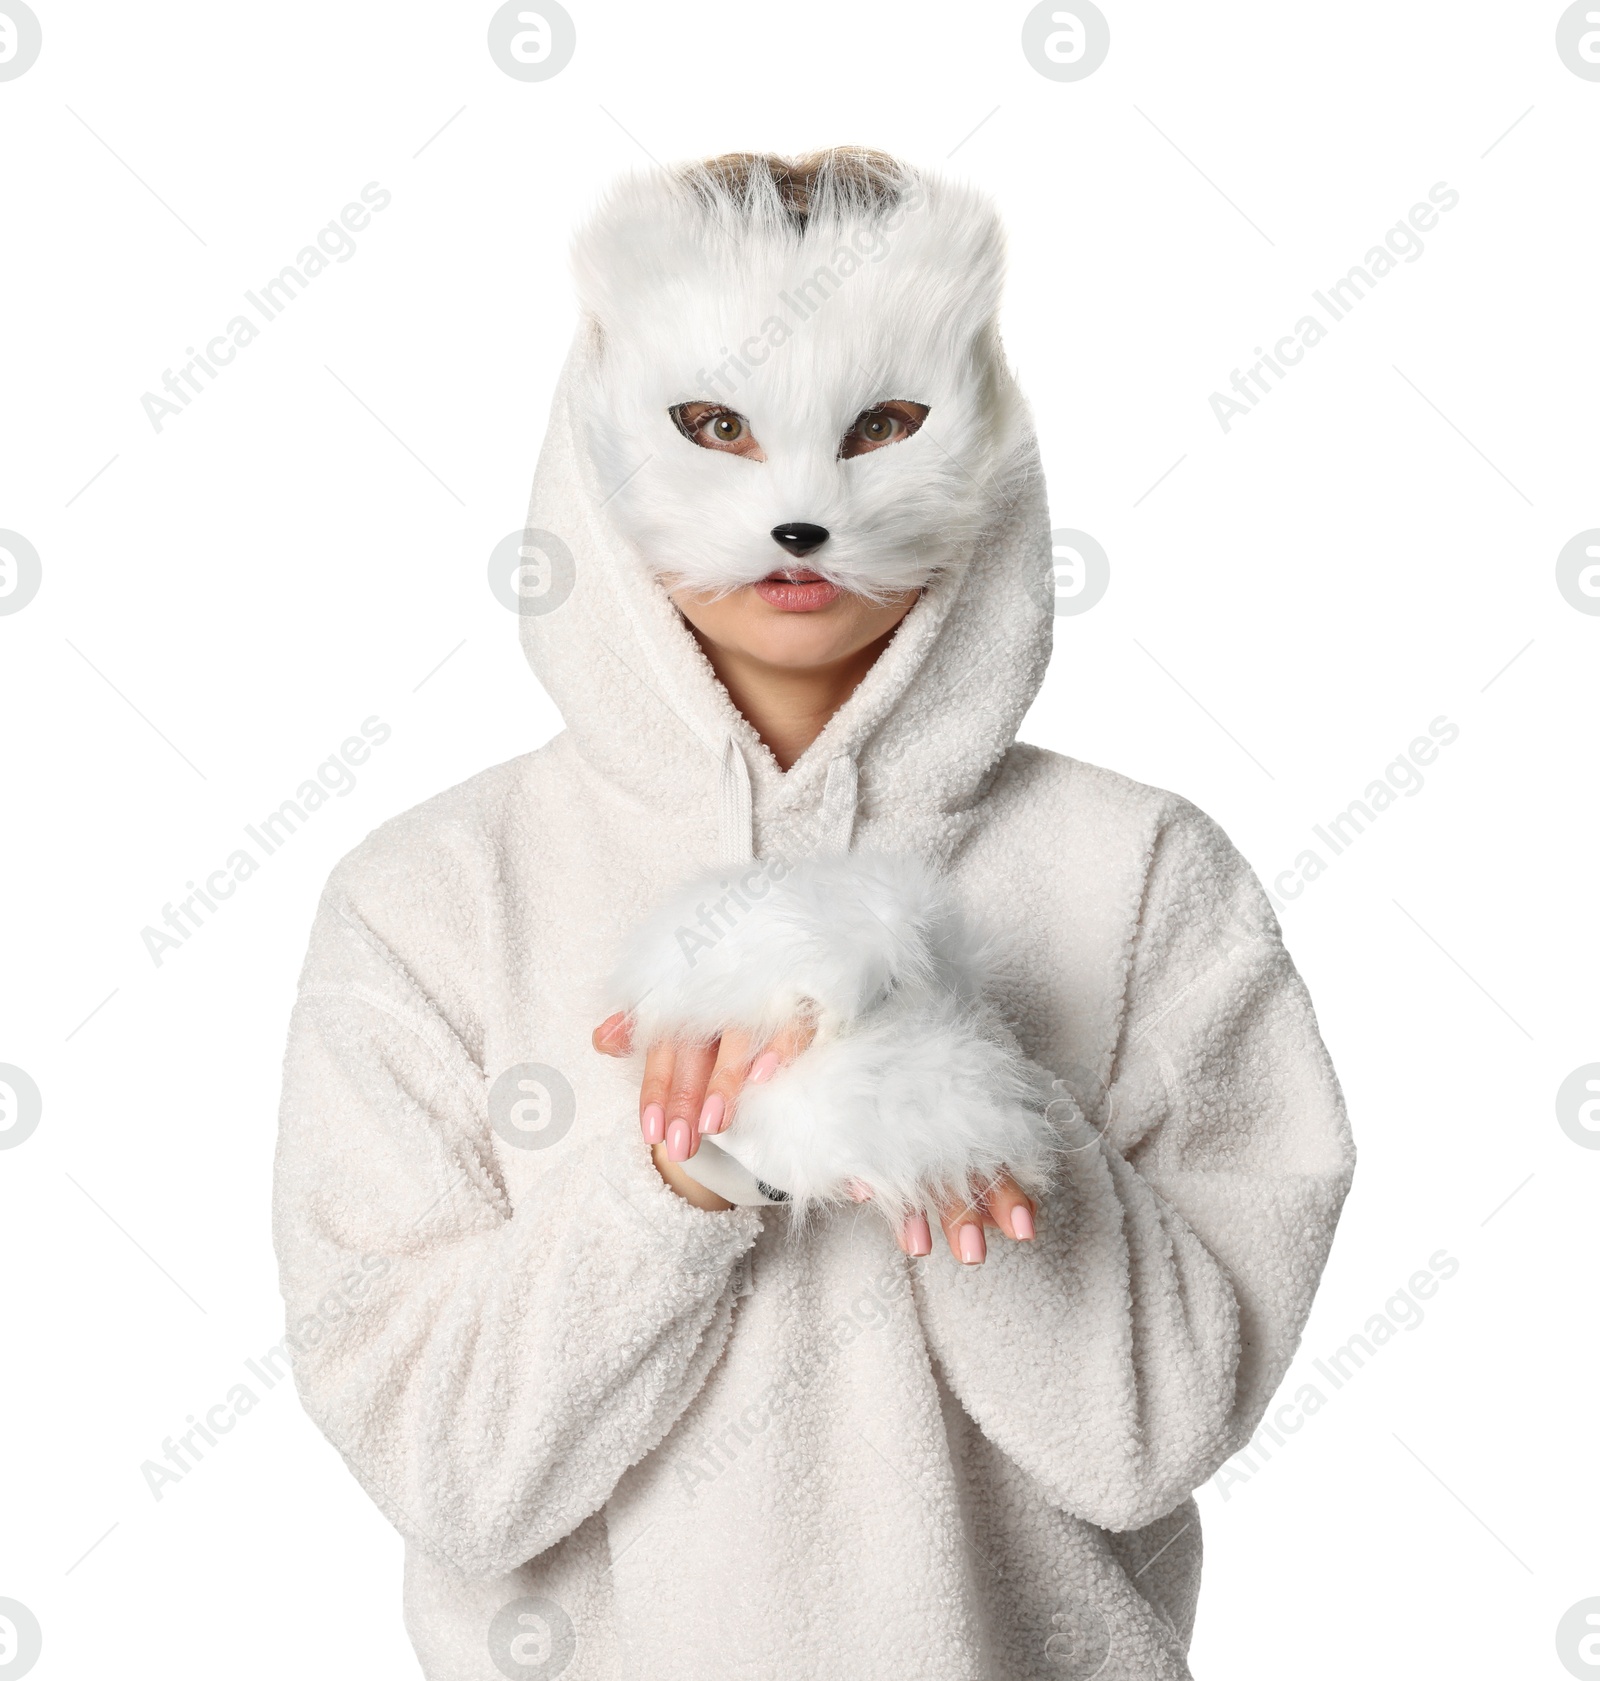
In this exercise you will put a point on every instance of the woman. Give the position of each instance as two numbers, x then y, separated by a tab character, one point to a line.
626	1428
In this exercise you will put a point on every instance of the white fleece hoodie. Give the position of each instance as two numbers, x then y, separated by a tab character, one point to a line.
624	1437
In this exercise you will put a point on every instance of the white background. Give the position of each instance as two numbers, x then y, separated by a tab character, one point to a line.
1288	607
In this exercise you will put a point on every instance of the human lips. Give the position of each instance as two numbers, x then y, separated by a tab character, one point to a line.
795	590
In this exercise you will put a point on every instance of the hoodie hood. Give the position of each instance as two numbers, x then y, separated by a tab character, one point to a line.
904	762
899	767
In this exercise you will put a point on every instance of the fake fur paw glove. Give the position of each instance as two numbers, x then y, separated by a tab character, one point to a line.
912	1088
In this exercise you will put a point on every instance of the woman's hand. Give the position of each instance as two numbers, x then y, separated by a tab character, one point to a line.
690	1092
1002	1205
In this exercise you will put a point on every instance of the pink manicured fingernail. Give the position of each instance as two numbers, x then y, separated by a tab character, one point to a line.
1022	1222
654	1122
764	1067
972	1250
678	1142
711	1115
919	1239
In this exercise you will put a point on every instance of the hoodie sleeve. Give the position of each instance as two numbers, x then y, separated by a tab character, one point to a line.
1134	1345
487	1373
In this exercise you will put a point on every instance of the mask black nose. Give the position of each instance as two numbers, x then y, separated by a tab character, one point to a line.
799	539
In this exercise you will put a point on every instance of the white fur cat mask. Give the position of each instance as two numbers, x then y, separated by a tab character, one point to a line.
798	299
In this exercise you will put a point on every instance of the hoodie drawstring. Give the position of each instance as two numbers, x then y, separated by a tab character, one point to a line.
735	809
839	804
736	812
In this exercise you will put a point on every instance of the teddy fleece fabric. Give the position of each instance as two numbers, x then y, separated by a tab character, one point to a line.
624	1437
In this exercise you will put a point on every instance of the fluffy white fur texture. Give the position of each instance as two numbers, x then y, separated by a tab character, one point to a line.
698	290
912	1087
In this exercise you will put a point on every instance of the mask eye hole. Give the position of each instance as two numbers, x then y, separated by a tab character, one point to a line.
884	423
714	426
